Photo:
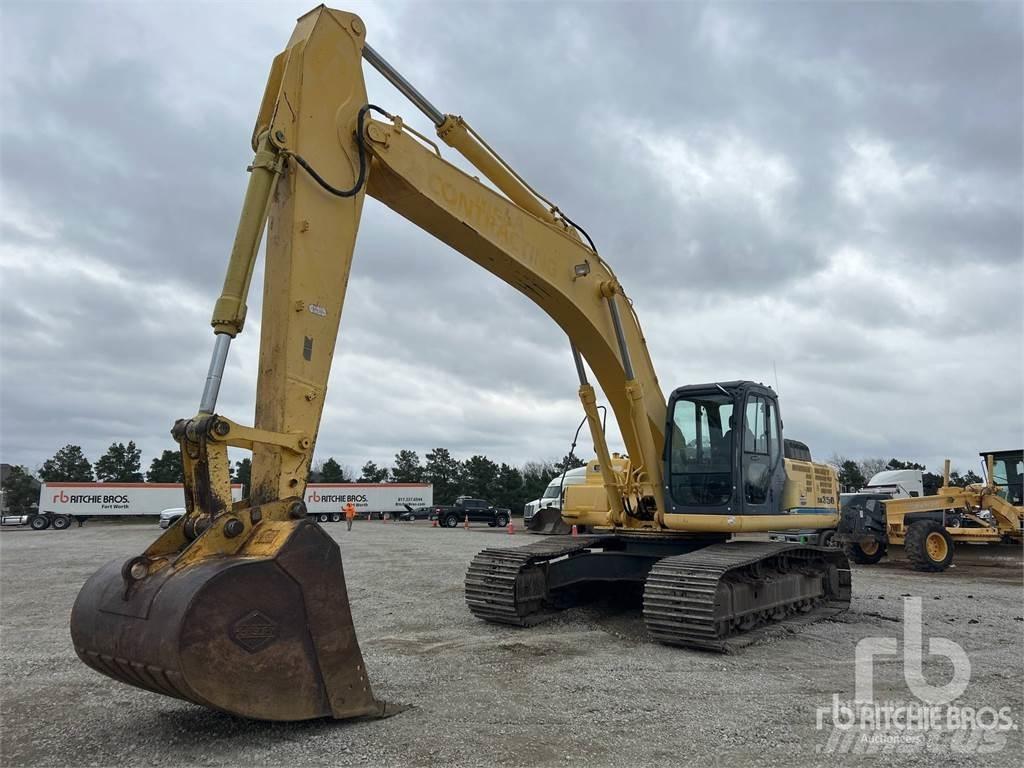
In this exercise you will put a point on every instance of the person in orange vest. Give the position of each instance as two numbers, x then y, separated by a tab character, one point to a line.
350	514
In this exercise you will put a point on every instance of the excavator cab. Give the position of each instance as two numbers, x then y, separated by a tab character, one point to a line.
724	450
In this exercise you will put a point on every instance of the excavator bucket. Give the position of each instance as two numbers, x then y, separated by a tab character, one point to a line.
265	633
548	521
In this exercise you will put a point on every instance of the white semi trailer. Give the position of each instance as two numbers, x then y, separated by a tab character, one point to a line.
60	503
326	502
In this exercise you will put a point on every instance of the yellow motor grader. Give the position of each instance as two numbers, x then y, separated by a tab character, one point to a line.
928	527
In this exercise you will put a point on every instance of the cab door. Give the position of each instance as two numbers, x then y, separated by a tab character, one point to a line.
762	471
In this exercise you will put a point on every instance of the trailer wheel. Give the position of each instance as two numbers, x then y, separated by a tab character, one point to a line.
865	553
928	546
39	523
61	522
335	517
323	518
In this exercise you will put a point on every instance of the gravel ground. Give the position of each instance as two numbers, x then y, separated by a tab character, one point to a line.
587	688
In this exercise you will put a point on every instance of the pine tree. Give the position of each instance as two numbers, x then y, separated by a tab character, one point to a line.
850	476
120	464
68	465
569	461
480	476
509	488
243	475
21	492
166	468
332	472
900	464
407	468
445	473
371	473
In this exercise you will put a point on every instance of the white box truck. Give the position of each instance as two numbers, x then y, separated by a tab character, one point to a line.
325	502
60	503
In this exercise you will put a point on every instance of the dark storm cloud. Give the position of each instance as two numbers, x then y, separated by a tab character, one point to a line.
832	191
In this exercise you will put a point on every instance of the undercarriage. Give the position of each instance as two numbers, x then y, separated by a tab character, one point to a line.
698	592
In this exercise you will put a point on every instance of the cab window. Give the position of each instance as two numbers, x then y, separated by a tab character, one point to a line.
774	438
700	451
1008	477
755	436
757	467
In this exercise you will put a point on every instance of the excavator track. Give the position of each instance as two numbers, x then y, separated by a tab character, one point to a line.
508	585
725	596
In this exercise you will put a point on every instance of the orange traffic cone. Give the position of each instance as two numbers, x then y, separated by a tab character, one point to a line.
511	527
433	523
574	531
465	523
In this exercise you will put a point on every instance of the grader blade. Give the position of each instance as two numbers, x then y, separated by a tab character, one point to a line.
265	633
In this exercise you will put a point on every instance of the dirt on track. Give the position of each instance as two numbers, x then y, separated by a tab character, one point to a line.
588	688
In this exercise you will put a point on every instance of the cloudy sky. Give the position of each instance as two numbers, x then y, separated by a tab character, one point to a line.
829	191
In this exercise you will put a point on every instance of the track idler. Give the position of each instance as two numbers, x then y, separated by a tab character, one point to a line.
265	632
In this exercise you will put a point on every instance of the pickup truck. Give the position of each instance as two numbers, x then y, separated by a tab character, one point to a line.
478	511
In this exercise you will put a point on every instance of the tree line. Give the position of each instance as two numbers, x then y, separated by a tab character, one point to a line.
478	476
854	474
502	484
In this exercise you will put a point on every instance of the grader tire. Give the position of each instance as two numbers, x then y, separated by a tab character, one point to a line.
864	554
928	546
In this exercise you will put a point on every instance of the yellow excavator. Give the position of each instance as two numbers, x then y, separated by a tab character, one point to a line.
242	606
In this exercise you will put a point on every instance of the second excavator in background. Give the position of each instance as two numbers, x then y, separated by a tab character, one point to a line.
242	606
